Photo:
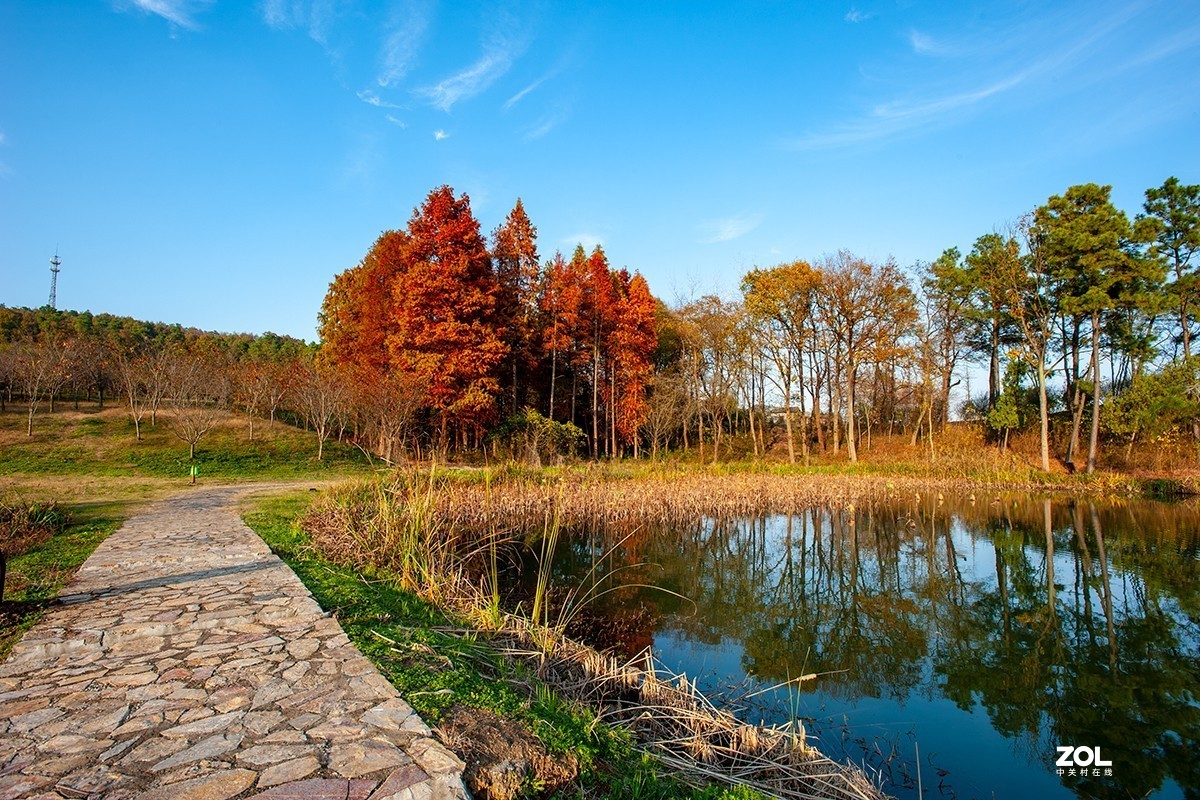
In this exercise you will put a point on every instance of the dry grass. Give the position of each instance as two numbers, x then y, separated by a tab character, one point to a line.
679	725
438	537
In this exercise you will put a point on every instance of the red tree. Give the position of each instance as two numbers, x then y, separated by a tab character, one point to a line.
634	341
598	312
558	318
515	257
446	334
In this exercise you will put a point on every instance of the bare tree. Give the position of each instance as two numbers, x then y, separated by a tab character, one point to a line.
869	309
195	407
321	399
39	371
253	380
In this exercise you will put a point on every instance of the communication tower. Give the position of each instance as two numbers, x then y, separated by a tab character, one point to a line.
55	263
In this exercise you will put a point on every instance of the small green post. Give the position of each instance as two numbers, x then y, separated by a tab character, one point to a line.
194	472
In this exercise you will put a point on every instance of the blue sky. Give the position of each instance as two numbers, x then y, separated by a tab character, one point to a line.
216	163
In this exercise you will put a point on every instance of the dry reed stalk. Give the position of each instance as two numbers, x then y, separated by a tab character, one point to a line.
583	501
419	536
675	722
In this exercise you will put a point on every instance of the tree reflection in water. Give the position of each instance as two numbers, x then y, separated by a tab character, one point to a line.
1065	622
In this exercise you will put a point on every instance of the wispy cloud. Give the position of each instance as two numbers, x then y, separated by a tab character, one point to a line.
178	12
504	45
519	96
396	121
470	81
588	241
405	34
314	16
925	44
372	99
898	116
854	15
548	123
727	229
440	135
1185	39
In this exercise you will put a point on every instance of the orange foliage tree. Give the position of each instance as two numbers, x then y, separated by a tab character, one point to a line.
436	333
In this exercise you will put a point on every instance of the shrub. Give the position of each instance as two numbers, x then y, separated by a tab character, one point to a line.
24	526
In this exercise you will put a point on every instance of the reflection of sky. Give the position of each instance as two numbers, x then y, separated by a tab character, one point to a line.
962	754
842	729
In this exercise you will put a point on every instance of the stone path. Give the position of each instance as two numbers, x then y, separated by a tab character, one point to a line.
187	662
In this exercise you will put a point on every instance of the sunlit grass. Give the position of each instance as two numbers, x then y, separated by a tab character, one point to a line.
102	444
438	665
35	578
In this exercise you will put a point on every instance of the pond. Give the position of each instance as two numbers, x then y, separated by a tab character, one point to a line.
974	637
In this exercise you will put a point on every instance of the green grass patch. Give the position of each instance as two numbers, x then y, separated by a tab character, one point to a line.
437	666
103	443
35	578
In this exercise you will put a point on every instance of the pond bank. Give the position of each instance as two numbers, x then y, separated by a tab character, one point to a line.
365	534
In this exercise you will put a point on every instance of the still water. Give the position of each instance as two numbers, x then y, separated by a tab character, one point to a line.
981	634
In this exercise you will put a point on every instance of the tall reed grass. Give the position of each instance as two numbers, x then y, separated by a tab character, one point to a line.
446	539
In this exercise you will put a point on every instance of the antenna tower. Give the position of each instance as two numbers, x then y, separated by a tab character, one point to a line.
55	263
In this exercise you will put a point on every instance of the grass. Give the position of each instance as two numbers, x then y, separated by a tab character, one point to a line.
442	668
35	578
102	444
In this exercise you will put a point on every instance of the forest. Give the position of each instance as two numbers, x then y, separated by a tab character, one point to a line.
444	341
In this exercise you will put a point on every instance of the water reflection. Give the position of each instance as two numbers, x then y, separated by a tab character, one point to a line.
988	633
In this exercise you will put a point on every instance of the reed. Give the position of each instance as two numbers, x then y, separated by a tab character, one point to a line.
680	726
444	540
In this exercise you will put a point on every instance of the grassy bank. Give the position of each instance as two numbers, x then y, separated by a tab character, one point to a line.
91	465
442	535
486	707
101	444
35	578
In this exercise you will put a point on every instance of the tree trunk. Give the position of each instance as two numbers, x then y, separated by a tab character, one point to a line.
612	411
1187	334
595	401
787	421
851	447
553	379
994	366
1094	439
1075	394
750	420
1043	413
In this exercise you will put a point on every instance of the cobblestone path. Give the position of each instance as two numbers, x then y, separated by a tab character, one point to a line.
187	662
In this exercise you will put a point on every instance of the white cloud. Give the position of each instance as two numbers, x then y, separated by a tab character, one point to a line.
372	99
178	12
504	45
519	96
546	124
469	82
439	135
315	16
727	229
406	32
395	121
925	45
588	241
898	116
854	15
